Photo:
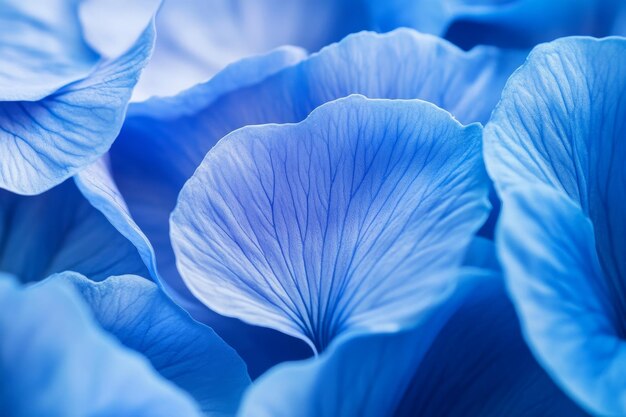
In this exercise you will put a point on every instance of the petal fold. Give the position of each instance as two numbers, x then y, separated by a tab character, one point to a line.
57	362
46	141
555	149
183	351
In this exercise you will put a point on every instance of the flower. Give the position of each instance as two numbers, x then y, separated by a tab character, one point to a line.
555	151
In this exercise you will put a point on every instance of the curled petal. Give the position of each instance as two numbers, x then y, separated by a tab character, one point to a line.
46	141
183	351
60	230
59	363
558	131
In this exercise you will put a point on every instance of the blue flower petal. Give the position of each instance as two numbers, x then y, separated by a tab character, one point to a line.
42	49
187	353
509	23
334	223
55	361
464	356
560	125
546	245
60	230
45	142
219	32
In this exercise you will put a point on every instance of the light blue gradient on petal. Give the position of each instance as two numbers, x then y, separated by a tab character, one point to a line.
333	223
559	131
46	141
55	361
183	351
504	23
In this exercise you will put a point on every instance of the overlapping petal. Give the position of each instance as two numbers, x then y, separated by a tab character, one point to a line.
60	230
554	148
463	355
151	162
49	132
182	350
55	361
334	223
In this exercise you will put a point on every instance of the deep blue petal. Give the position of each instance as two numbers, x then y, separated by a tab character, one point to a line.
45	142
60	230
334	223
505	23
182	350
42	49
464	356
55	361
560	125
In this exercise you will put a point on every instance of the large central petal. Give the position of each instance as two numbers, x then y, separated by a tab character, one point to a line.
334	223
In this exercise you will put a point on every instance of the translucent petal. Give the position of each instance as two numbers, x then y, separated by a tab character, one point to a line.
45	142
326	225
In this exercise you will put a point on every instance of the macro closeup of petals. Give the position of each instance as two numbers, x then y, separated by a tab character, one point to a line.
312	208
555	148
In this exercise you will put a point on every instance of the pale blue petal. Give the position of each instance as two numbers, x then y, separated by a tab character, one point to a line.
45	142
41	48
464	356
60	230
182	350
505	23
55	361
219	32
333	223
560	127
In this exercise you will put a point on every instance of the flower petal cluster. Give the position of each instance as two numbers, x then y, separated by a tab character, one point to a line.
312	208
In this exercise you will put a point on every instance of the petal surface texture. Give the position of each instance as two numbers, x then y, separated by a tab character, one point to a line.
150	161
56	361
555	149
60	230
334	223
182	350
462	355
45	141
